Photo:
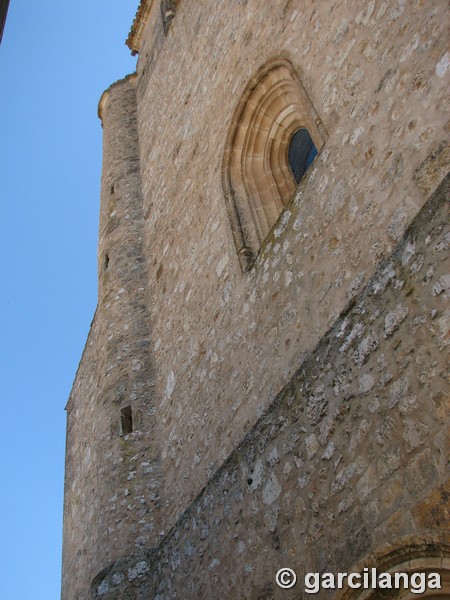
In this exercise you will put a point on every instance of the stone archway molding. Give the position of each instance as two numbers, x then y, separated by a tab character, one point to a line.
429	553
256	176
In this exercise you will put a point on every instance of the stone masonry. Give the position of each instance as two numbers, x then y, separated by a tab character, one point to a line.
345	457
229	418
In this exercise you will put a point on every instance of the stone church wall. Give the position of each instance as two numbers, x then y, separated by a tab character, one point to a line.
225	342
290	413
349	459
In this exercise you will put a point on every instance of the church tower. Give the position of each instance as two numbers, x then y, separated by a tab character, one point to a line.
112	460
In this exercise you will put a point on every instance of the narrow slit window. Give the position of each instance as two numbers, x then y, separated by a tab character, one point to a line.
301	153
126	420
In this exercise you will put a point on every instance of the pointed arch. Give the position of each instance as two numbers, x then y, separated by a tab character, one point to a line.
258	179
426	554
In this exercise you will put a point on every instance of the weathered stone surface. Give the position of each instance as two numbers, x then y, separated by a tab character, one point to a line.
113	480
274	503
434	511
434	168
293	414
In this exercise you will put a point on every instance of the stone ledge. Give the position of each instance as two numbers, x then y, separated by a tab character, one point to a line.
134	38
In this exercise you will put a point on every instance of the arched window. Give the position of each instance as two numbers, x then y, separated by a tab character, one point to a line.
301	154
275	135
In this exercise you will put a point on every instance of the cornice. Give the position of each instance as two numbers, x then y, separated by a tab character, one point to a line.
137	29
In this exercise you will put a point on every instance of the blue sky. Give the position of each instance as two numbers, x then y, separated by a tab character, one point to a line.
56	58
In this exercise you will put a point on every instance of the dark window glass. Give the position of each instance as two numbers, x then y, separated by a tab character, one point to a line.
301	153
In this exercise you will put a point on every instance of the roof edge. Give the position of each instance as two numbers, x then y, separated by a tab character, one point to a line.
4	4
134	38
